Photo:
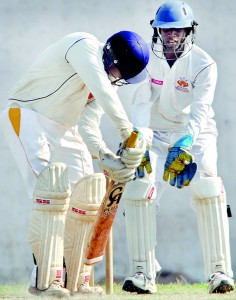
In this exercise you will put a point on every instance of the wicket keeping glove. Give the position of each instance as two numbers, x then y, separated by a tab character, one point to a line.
145	165
146	162
179	167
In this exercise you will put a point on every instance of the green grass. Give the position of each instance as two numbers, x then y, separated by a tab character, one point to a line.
174	291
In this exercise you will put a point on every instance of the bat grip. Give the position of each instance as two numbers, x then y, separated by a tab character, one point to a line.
132	139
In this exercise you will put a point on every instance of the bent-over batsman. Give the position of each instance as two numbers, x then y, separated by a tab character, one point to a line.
74	75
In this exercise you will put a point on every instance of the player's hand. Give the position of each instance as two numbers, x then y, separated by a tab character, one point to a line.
134	157
145	165
112	167
179	167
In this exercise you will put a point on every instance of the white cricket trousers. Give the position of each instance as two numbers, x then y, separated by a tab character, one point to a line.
36	141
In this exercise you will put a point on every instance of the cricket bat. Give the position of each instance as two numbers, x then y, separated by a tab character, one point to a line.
106	215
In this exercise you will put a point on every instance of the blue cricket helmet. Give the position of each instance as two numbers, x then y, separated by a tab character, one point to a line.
129	53
174	14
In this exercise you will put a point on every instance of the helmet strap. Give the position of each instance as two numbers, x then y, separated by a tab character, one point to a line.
155	34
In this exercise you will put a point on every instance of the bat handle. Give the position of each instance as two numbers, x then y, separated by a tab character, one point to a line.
132	139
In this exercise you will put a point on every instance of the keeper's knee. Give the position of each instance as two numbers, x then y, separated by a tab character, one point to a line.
140	189
207	188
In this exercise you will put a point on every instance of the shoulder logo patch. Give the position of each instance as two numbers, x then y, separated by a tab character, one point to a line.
156	81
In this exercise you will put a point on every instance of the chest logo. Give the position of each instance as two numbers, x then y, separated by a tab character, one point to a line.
182	85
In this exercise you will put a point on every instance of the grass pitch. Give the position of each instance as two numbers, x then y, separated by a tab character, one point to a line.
173	291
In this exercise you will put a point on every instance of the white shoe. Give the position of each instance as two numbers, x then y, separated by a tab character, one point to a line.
91	290
139	283
55	290
220	283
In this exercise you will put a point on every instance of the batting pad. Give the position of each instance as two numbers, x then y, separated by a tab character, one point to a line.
211	207
85	202
140	219
46	229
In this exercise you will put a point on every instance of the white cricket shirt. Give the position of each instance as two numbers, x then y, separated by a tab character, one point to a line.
181	96
59	83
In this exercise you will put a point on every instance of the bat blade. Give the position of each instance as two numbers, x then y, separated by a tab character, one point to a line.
106	215
105	219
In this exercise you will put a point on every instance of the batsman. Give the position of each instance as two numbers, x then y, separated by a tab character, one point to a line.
75	76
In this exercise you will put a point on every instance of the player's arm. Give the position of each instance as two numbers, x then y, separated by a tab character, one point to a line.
204	85
85	59
180	167
138	102
89	128
203	91
140	106
110	164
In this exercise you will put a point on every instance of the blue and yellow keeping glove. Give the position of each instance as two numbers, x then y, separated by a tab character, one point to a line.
179	167
145	165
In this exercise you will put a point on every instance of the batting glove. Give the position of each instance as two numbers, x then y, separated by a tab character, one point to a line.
112	167
134	157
